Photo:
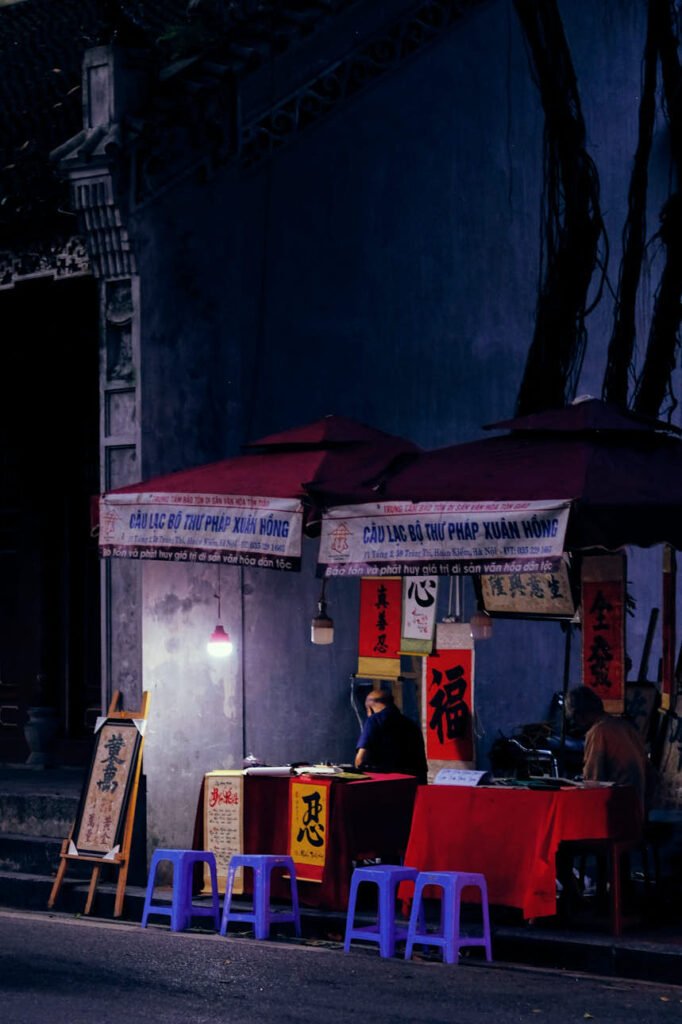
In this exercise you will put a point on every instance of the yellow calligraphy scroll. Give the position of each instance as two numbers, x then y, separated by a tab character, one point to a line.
224	823
309	827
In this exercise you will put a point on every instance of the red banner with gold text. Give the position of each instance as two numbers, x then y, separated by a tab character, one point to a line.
603	628
379	631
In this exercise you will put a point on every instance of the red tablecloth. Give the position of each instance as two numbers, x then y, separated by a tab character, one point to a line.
511	835
367	819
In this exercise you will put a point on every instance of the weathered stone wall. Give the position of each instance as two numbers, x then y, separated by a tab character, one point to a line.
384	266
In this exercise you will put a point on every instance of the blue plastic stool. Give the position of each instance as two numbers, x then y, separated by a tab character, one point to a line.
181	909
449	938
262	916
384	930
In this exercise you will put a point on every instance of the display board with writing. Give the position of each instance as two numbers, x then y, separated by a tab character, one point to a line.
224	822
546	595
103	830
104	802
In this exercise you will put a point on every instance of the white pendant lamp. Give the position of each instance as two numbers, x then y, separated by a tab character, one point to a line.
322	627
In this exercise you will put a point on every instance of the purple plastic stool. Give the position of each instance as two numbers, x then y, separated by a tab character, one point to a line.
384	930
262	917
181	909
449	938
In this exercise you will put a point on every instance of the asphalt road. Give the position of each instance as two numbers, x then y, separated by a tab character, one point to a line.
65	970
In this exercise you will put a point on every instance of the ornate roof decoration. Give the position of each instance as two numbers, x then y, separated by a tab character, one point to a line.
213	98
208	94
41	54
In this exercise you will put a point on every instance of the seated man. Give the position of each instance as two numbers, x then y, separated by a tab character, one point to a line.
614	750
390	741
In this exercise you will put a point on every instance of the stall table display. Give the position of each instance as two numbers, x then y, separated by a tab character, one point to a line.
369	818
511	835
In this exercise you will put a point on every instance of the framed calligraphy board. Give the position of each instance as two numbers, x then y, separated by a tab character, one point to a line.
529	595
102	809
103	830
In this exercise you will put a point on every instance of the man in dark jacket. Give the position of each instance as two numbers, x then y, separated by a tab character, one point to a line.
390	741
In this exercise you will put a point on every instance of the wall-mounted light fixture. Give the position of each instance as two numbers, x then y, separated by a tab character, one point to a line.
219	644
322	627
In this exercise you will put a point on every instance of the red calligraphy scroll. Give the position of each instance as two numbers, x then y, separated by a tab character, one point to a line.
603	628
379	632
449	706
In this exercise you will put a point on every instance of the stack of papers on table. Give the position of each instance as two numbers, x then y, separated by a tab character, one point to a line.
319	770
461	777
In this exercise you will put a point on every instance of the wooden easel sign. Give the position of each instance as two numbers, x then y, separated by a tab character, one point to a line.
104	802
103	830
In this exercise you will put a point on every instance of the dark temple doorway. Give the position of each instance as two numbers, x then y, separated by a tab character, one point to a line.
49	572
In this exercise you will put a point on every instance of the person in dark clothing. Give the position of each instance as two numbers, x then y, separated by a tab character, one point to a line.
390	741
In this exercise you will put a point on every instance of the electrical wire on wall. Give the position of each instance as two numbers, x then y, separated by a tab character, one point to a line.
353	702
242	658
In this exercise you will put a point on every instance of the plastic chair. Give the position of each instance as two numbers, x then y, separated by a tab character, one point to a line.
449	938
385	930
262	916
181	908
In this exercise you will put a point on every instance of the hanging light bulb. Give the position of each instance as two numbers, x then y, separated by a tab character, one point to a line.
481	626
322	627
219	644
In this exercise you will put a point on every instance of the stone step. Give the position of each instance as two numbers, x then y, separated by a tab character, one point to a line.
20	890
23	891
38	814
37	855
39	803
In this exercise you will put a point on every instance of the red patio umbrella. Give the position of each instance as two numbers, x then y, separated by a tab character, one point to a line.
621	472
252	508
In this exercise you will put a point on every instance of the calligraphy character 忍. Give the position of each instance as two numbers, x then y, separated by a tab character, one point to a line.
312	829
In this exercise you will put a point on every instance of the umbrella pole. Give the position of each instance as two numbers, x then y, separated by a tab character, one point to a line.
568	631
668	661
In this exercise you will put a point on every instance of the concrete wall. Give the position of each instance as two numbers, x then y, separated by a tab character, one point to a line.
383	266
